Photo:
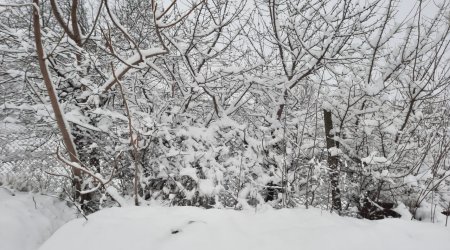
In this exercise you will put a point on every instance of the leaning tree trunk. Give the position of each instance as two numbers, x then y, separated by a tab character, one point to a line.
62	125
333	162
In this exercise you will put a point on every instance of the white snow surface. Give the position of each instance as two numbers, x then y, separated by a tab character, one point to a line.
159	228
26	223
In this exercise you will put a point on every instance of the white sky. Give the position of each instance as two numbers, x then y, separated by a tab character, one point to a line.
429	7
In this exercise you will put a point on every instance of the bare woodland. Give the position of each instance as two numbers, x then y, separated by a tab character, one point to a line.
340	105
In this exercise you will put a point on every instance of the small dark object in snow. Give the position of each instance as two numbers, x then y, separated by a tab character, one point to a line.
271	192
175	231
377	211
446	213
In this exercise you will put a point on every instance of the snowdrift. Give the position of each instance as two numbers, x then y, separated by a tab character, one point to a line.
144	228
27	219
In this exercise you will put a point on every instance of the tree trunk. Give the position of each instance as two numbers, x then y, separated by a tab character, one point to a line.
333	162
62	125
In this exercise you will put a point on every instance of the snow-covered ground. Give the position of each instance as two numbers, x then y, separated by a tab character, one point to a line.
27	219
175	228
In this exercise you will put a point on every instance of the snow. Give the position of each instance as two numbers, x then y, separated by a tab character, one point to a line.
27	220
206	187
189	171
114	193
140	228
411	181
373	159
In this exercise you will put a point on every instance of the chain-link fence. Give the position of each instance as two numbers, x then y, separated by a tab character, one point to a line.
27	152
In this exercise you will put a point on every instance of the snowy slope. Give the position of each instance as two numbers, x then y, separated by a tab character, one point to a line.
176	228
27	220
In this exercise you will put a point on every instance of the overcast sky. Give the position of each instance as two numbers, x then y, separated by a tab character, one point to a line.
429	7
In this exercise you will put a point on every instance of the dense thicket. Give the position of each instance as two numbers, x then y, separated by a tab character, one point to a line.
336	104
